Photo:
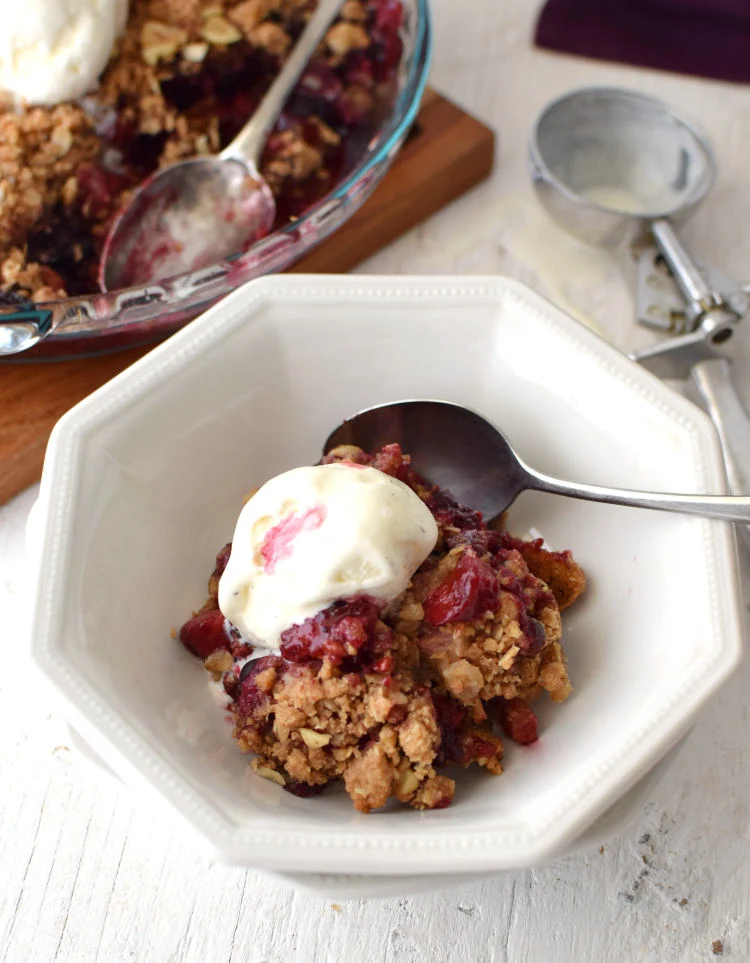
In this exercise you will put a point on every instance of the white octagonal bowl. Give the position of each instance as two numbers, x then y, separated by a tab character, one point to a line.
143	480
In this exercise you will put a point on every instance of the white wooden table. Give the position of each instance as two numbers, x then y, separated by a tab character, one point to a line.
87	872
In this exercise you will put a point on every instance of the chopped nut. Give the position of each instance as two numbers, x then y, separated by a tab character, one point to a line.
353	11
313	739
211	10
160	41
509	658
195	53
69	190
218	30
412	611
249	14
219	662
270	774
270	37
62	139
343	37
407	782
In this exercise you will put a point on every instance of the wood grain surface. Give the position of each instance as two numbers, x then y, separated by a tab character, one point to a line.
89	872
447	153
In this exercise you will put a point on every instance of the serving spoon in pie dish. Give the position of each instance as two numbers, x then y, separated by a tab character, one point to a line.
198	211
458	449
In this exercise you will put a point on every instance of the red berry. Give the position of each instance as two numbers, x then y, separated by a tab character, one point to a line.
319	82
385	665
387	55
388	16
451	717
345	630
519	721
205	633
97	188
302	789
448	512
476	748
469	590
358	69
250	698
222	559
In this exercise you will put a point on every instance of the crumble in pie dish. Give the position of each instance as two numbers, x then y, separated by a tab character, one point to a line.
182	80
385	697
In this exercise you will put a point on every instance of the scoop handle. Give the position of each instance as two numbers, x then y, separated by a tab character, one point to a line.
712	382
248	144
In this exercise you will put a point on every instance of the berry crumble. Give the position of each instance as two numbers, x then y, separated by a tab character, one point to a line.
386	695
182	79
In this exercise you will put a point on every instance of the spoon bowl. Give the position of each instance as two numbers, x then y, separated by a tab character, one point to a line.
456	448
186	217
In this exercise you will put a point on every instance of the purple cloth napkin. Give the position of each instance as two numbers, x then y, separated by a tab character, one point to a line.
709	38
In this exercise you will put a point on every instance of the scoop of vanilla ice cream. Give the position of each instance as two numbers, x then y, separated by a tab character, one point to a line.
315	535
55	50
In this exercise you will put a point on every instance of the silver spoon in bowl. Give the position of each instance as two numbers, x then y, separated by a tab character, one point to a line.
458	449
195	212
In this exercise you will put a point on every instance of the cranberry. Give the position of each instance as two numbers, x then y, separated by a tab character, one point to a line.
222	560
469	590
65	246
348	630
358	69
448	512
512	543
318	83
232	687
397	714
145	151
476	748
98	188
482	540
534	636
183	90
387	56
303	789
388	16
390	460
250	697
450	718
205	633
386	664
519	721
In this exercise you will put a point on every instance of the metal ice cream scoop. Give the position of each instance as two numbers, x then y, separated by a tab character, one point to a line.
194	213
614	166
458	449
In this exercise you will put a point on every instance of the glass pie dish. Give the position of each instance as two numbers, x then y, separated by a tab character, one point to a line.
98	322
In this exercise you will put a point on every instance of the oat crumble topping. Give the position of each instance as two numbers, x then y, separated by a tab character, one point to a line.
384	698
181	82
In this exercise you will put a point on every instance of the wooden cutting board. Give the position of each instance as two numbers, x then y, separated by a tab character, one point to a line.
447	153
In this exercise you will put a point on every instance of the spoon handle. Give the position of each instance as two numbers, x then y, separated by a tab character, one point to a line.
729	508
248	144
